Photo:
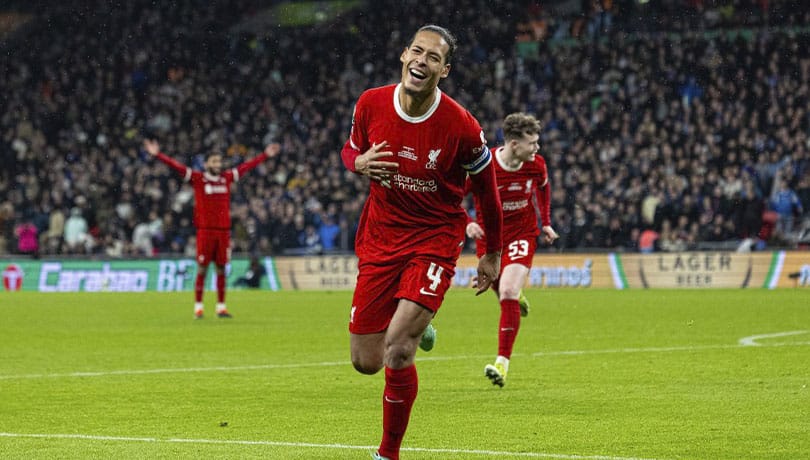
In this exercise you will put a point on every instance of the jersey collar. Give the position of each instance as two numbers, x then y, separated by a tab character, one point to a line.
409	118
211	177
498	153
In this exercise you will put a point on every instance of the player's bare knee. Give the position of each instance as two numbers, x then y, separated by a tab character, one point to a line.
398	355
366	363
507	292
366	367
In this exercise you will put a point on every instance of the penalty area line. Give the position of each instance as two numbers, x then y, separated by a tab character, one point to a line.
489	453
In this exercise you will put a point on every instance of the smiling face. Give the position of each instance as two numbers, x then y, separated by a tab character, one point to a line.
525	147
424	63
521	132
213	164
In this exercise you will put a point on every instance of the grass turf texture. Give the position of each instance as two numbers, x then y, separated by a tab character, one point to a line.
596	374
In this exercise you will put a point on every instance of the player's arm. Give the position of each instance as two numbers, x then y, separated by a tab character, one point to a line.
361	158
485	190
473	230
369	163
543	197
153	148
270	151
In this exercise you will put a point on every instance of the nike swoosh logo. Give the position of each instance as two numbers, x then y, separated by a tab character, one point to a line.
393	401
424	292
507	329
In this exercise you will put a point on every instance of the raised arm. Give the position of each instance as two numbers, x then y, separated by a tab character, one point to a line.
153	148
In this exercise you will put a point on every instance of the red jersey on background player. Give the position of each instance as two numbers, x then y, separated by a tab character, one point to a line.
418	146
521	175
212	214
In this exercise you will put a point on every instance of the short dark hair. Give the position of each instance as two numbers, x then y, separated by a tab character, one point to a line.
209	153
445	34
517	124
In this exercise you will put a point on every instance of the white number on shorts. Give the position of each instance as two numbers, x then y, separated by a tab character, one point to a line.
434	273
519	248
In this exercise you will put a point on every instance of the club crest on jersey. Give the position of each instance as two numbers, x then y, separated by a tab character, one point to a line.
432	157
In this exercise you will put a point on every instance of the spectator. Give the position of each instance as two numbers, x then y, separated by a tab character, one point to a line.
786	204
310	240
27	238
76	236
142	240
618	107
803	192
648	241
329	232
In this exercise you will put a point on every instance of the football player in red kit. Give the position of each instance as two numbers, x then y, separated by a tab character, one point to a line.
418	146
212	214
521	175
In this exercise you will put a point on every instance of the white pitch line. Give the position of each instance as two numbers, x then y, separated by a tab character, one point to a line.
661	349
420	359
489	453
173	370
751	340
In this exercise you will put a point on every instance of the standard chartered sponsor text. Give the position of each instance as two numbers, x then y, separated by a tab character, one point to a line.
413	184
515	205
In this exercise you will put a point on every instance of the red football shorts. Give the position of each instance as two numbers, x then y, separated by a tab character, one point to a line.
380	286
517	251
213	246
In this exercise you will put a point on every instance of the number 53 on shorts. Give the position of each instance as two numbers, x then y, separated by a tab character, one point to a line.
519	252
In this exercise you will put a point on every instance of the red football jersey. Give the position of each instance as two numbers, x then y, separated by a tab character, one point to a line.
516	188
419	209
212	194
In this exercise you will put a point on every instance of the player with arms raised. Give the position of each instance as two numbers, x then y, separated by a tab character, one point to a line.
418	146
212	214
521	175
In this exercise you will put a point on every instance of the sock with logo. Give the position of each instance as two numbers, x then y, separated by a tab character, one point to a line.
401	386
509	325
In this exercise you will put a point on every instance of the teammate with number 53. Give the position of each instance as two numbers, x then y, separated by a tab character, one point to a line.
522	177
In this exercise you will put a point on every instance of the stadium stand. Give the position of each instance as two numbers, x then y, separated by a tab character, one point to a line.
685	120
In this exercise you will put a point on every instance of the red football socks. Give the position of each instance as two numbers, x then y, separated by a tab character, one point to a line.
509	325
199	284
221	288
401	386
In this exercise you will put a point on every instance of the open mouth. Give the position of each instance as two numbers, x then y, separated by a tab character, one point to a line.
417	74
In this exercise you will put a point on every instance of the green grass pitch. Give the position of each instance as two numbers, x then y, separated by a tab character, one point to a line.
596	374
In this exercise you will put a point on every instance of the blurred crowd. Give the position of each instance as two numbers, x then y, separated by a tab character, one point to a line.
658	136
